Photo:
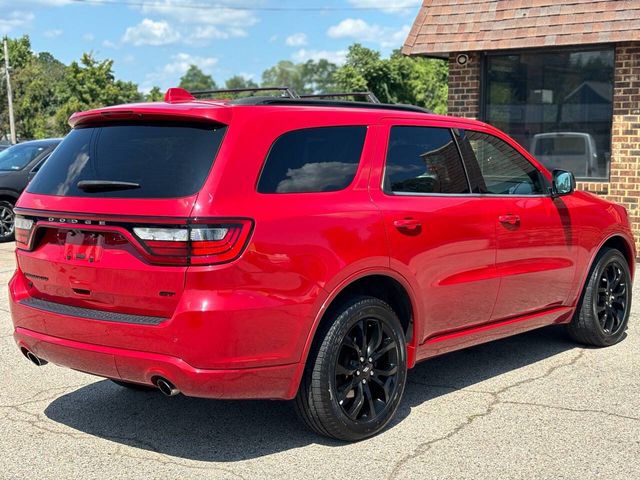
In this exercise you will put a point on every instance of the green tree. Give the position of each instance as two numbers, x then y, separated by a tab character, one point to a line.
238	81
284	74
309	77
90	84
154	95
397	79
195	79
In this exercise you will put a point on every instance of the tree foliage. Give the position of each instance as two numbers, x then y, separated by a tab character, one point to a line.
195	79
46	91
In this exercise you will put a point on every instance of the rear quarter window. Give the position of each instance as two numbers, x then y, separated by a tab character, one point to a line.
167	160
321	159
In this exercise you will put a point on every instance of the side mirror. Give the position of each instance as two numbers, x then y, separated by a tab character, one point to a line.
563	183
32	174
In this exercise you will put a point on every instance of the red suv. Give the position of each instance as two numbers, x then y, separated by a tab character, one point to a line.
307	249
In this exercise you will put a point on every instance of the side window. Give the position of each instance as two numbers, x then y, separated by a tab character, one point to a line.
313	160
424	160
496	167
39	164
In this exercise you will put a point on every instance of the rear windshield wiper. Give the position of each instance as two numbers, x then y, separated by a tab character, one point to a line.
105	185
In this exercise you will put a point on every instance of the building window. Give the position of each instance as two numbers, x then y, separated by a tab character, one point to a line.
557	104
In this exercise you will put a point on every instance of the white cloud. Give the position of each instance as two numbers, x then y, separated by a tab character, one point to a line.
296	40
359	30
88	37
188	11
52	33
169	75
337	57
14	20
389	6
149	32
109	44
210	32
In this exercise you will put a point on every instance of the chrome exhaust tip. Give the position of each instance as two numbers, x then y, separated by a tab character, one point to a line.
166	387
33	358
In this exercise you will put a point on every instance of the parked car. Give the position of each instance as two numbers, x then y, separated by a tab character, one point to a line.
16	164
290	248
572	151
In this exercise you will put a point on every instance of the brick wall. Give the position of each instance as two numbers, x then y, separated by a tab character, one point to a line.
464	87
624	185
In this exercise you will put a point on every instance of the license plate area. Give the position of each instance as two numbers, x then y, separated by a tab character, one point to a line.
83	246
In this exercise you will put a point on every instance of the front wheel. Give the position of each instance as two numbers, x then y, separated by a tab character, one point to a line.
7	218
603	312
356	374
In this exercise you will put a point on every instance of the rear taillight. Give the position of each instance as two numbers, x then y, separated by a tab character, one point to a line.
23	230
195	244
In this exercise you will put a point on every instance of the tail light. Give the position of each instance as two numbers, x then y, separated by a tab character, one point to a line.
23	231
195	244
208	243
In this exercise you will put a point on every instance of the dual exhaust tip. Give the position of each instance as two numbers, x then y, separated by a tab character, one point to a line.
165	386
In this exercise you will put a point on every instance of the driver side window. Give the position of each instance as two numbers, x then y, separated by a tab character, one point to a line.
502	170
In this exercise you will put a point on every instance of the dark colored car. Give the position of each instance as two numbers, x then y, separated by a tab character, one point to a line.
17	163
290	248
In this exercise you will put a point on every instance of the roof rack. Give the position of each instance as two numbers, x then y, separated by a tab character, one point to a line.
368	96
287	92
314	102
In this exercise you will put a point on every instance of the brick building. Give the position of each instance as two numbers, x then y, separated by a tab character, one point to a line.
562	78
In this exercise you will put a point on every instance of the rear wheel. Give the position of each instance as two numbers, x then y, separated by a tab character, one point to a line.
6	221
603	313
134	386
355	376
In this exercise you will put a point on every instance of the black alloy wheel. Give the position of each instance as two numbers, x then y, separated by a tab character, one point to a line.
356	371
366	371
603	311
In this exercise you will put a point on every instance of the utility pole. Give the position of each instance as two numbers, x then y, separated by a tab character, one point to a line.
12	123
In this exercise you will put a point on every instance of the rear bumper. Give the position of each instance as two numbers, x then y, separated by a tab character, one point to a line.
277	382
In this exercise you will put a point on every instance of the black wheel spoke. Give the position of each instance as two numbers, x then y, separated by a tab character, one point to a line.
392	370
350	343
375	339
363	339
343	370
343	391
358	402
370	401
385	386
387	346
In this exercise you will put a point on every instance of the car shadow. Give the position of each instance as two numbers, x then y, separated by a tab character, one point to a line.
229	431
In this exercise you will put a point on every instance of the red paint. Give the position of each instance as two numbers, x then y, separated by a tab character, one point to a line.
475	267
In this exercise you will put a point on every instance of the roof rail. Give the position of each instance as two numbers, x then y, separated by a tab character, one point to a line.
368	96
314	102
287	92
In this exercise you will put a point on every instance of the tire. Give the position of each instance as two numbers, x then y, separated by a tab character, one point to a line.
344	394
602	315
134	386
7	219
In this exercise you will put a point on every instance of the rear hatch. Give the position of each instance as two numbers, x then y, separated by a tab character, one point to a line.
104	225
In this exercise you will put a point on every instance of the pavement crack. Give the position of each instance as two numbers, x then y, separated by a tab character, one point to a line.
569	409
424	447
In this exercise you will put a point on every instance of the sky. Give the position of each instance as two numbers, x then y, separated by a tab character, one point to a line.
152	42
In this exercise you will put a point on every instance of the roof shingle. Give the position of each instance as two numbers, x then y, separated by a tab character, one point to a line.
446	26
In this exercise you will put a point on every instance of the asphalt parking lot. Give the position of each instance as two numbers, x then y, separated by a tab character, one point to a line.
532	406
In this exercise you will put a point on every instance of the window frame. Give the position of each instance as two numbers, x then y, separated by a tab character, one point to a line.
383	179
367	133
546	183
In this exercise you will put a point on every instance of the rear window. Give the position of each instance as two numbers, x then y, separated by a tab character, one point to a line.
321	159
166	160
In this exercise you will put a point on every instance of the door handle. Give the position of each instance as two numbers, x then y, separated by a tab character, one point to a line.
407	224
509	219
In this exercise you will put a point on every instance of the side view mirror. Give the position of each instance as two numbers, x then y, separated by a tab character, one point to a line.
31	175
563	183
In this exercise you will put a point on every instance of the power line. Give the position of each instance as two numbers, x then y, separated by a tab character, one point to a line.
208	6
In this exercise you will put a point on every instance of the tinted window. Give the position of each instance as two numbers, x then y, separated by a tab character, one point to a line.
313	160
166	160
424	160
565	92
18	156
496	167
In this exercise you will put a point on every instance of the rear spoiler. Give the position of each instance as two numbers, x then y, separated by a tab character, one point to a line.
208	113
